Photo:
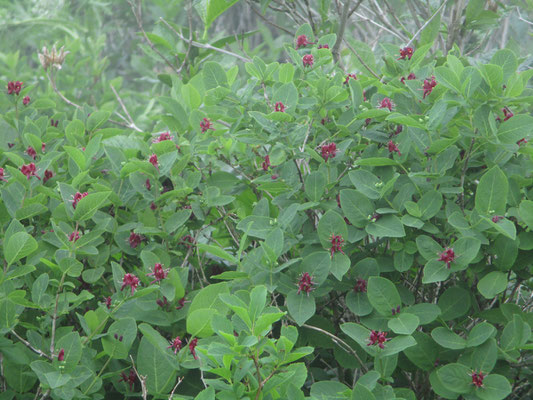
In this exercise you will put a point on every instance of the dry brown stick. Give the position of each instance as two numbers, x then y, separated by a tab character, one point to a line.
354	9
28	345
138	16
340	342
141	378
189	45
364	18
180	379
340	33
130	120
267	20
427	23
54	316
361	60
204	45
53	83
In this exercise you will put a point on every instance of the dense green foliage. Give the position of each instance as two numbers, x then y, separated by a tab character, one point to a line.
210	222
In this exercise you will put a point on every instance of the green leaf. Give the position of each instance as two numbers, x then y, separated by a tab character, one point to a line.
425	312
199	322
206	394
360	392
454	303
71	344
526	212
340	264
208	297
77	156
466	250
258	297
125	327
404	324
495	387
428	248
398	344
286	73
383	295
513	334
330	224
301	306
176	220
217	251
515	128
484	356
38	289
471	79
75	128
493	75
357	302
376	162
447	78
430	204
210	10
88	206
214	75
491	193
19	246
160	373
366	183
315	184
97	119
455	377
192	97
287	94
424	353
479	334
448	339
386	226
506	59
8	311
491	284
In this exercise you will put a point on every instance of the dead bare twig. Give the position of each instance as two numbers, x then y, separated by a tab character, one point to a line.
203	45
130	120
141	378
29	346
427	22
137	12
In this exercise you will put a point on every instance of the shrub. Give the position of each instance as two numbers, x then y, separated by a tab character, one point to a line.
289	231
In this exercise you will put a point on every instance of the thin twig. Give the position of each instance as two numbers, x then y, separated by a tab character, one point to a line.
339	342
267	20
463	172
141	378
340	33
426	23
413	13
53	83
138	16
310	16
28	345
361	60
523	19
2	378
130	120
354	9
54	317
378	25
189	45
204	45
226	124
180	379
